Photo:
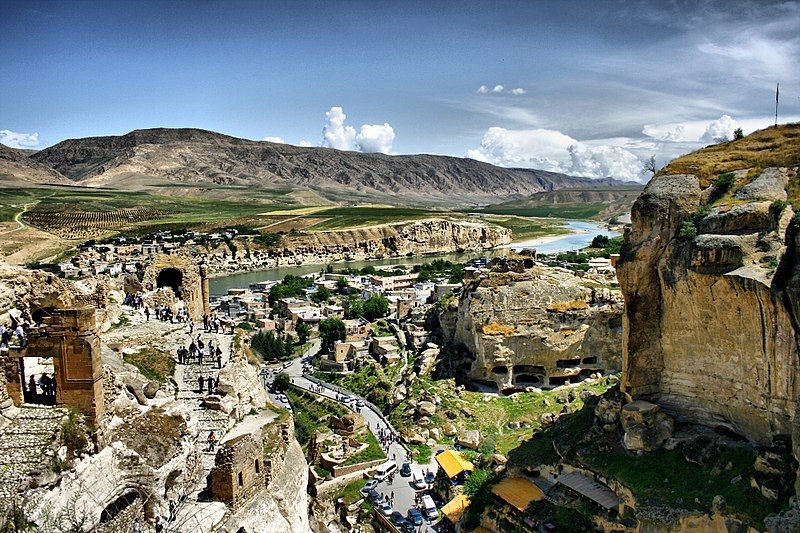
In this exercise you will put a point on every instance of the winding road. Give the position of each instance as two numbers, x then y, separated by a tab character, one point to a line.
400	486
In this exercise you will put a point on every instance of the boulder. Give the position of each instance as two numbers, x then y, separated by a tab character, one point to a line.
499	459
449	429
470	438
151	389
547	419
646	426
426	408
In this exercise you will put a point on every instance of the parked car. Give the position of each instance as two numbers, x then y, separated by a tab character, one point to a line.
405	470
408	527
430	477
418	481
415	517
374	496
360	403
430	507
397	518
386	509
369	486
283	398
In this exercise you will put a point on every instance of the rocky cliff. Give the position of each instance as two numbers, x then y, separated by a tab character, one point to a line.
537	326
711	277
421	237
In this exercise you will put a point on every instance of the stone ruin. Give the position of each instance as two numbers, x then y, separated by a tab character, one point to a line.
70	338
187	280
238	473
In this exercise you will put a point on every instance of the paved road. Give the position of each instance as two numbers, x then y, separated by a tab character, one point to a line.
400	486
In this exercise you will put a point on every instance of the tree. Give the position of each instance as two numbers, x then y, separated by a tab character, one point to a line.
353	307
330	331
341	285
376	307
282	381
600	241
321	294
303	332
738	134
650	165
271	347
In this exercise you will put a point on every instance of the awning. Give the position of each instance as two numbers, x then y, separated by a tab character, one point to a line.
518	492
453	463
456	507
597	492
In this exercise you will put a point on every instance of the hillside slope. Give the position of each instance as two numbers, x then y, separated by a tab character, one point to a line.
16	168
192	157
580	202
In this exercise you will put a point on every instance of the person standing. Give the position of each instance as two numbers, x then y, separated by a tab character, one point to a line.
212	441
147	312
200	383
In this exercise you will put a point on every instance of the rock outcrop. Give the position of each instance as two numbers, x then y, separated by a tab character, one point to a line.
536	327
646	426
711	303
420	237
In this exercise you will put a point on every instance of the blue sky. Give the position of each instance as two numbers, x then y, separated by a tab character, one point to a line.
599	85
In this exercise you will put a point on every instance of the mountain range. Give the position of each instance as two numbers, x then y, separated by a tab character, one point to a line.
190	158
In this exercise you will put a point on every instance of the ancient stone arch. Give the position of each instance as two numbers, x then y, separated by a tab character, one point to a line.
70	338
187	280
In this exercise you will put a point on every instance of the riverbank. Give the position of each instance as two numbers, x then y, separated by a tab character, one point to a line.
580	235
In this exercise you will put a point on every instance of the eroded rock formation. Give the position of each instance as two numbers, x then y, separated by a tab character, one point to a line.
711	297
536	327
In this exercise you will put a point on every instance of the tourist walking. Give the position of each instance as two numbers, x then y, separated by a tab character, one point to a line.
212	441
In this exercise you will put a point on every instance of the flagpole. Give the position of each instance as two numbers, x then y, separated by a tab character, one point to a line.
777	94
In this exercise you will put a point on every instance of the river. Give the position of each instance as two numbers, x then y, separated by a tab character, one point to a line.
582	234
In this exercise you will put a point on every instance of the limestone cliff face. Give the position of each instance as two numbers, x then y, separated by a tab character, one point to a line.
539	327
711	325
424	236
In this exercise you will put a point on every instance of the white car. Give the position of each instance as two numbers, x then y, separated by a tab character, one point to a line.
386	509
283	398
369	485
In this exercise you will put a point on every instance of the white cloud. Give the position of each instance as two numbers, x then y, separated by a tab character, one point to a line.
335	133
720	130
371	137
306	143
554	151
483	89
375	138
518	91
19	140
498	88
274	139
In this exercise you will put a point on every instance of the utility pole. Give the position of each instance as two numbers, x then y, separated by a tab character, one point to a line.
777	95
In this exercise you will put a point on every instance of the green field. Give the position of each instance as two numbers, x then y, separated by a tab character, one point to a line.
357	217
579	211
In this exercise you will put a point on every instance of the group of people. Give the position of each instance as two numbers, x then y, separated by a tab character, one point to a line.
46	384
386	438
197	352
134	300
212	323
164	313
8	333
207	384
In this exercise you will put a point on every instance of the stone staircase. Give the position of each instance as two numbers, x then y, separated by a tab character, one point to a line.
27	446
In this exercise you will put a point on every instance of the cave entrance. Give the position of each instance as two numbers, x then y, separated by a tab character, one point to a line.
172	278
119	505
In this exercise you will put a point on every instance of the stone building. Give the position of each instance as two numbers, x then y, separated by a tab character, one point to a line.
187	280
238	473
70	338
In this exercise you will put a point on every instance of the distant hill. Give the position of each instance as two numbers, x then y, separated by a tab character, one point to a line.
197	158
600	203
17	169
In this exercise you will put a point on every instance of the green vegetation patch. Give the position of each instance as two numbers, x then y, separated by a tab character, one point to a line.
355	217
154	364
372	453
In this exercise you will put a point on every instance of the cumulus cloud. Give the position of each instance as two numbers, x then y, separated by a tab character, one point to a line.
274	139
720	130
335	133
370	138
19	140
483	89
518	91
498	88
554	151
305	143
375	138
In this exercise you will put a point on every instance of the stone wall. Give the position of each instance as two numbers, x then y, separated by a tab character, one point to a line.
712	331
